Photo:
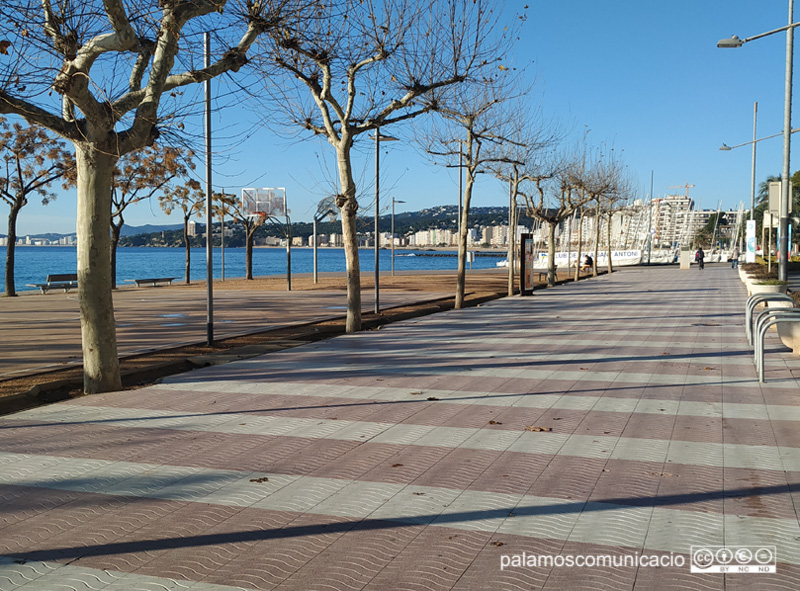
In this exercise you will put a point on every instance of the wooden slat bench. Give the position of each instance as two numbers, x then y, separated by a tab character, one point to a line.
153	281
65	281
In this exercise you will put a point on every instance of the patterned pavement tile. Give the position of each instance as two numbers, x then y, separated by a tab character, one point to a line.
419	456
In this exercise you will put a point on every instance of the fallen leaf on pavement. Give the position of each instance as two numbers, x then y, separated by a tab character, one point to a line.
537	429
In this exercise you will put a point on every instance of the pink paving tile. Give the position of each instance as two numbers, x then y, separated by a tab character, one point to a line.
458	469
405	465
568	477
699	429
690	488
20	503
439	557
627	483
785	577
511	473
785	433
758	493
750	432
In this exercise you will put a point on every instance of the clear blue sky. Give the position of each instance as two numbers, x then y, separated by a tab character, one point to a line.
643	77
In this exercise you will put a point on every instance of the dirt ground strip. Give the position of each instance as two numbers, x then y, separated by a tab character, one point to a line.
138	370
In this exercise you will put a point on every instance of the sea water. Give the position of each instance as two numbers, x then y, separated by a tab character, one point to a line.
34	263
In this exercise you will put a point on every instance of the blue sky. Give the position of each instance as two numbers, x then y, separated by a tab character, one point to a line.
643	77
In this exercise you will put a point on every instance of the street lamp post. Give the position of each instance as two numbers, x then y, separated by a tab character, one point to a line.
378	138
734	41
325	208
393	202
753	142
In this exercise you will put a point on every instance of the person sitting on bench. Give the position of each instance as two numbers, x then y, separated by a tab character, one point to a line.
587	263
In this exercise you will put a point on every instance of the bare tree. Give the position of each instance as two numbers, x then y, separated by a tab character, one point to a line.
348	67
190	199
95	73
138	176
603	183
474	127
516	164
31	161
555	196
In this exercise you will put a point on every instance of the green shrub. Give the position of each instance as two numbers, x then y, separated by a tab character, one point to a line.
771	282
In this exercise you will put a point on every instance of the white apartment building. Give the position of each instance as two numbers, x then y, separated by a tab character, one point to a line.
671	218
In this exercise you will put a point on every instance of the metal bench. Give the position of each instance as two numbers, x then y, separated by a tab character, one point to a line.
153	281
65	281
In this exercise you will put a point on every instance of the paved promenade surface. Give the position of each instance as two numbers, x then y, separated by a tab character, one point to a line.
40	333
411	457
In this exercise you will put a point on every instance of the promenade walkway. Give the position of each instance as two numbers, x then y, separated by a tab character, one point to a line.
619	416
40	333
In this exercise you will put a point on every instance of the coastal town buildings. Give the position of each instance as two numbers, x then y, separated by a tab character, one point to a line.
671	220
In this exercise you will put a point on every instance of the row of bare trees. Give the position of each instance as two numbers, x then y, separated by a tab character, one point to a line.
33	160
106	75
97	72
489	129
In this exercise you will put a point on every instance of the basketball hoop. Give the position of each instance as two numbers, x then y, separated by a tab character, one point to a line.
259	217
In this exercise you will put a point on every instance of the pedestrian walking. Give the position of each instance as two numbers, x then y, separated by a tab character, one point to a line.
735	257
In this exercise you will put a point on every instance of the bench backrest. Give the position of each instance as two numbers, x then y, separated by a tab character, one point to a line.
62	277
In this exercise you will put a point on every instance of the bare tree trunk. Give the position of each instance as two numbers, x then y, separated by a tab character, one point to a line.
188	262
116	230
551	253
461	276
348	205
98	327
512	239
10	248
250	234
596	239
608	246
580	244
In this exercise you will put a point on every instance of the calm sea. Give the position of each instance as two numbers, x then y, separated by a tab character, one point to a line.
34	263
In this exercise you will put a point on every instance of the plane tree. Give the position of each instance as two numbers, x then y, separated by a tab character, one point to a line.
31	160
552	195
476	126
343	68
189	199
605	184
137	177
96	73
516	165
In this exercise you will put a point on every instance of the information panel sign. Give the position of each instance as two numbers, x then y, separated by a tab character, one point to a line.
526	264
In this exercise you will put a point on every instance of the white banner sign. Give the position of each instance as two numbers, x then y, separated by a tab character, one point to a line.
618	257
750	240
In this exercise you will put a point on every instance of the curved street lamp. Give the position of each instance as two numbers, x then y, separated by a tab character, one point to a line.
378	139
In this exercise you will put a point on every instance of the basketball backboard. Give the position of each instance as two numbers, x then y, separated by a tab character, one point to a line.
264	203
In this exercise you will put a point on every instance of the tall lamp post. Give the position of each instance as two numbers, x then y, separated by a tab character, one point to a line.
754	141
378	139
393	202
734	41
